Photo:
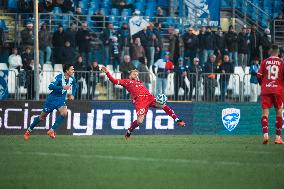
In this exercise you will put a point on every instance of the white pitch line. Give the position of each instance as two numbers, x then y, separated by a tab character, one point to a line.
158	160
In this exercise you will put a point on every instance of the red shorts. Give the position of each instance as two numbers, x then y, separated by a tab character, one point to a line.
142	104
269	100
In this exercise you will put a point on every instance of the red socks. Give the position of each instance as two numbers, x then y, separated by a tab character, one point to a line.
278	124
133	125
170	112
264	124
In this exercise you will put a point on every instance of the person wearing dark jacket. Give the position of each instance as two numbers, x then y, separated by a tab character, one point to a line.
115	53
27	36
58	41
266	43
106	39
80	75
67	54
191	43
226	68
159	47
100	20
180	72
70	35
194	76
220	42
231	41
209	44
242	48
44	44
124	39
254	43
201	36
93	79
126	66
174	45
83	39
210	82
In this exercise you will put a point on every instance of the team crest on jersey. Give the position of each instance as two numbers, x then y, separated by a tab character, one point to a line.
231	118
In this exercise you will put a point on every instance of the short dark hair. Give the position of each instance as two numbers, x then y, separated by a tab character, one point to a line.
66	67
275	47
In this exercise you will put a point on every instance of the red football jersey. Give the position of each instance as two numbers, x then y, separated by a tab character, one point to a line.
271	75
135	88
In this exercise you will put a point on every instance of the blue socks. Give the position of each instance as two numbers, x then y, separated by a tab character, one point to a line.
59	120
34	123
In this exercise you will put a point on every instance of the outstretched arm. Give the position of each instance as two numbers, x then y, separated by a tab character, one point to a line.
112	79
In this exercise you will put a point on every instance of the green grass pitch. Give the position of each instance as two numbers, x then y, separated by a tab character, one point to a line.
235	162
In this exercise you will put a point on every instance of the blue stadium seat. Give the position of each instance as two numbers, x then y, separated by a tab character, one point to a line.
140	6
149	12
126	12
3	25
12	5
114	12
106	3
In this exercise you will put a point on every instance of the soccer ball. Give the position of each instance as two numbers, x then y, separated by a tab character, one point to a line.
161	99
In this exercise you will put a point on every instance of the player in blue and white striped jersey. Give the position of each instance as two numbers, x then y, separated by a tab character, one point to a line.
61	85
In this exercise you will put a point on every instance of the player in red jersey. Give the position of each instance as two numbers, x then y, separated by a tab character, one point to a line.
141	98
270	77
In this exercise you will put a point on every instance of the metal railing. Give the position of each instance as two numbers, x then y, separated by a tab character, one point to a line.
278	32
208	87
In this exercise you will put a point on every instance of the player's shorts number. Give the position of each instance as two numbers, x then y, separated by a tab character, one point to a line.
272	72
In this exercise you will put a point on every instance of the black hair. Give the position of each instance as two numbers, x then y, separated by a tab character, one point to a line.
66	67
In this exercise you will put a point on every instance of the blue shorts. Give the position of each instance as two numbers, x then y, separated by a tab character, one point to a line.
51	104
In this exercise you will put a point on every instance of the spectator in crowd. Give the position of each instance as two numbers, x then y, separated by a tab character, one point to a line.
15	60
27	57
220	43
201	38
191	43
209	44
125	69
44	45
100	20
136	52
210	82
83	39
248	35
266	43
159	15
67	54
4	53
143	38
126	66
27	36
151	45
28	66
159	46
179	79
45	6
242	48
174	45
25	6
194	76
58	41
106	39
254	86
79	15
80	75
124	39
93	79
144	74
231	40
115	53
70	35
162	68
68	6
122	4
255	41
226	68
